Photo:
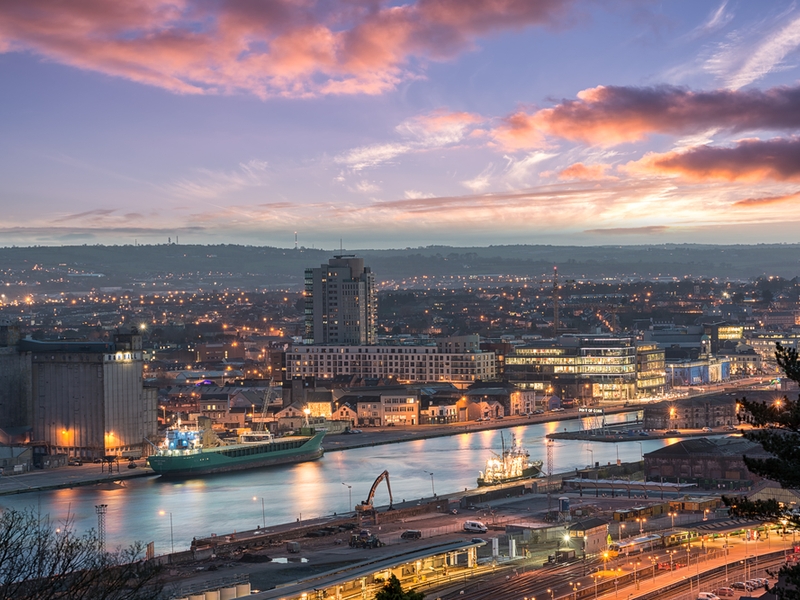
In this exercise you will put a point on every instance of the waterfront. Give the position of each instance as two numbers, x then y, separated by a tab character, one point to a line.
149	509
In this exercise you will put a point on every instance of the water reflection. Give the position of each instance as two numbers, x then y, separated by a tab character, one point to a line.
223	503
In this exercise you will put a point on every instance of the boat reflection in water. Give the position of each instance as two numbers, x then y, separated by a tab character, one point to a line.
513	464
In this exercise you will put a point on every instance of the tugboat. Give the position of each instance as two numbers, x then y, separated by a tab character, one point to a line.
513	465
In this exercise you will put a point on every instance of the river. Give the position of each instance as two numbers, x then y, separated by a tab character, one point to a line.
142	509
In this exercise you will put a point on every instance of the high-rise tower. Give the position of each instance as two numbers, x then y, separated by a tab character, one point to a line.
341	303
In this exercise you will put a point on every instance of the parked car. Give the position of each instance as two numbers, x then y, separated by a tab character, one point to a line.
707	596
724	591
411	534
672	432
75	462
742	585
706	430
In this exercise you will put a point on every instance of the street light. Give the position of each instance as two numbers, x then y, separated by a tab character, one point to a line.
672	515
171	535
575	587
350	495
622	527
433	491
263	512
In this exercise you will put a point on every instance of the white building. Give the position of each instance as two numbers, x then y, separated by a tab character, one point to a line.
409	364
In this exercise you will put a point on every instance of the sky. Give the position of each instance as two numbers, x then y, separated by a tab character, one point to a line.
380	124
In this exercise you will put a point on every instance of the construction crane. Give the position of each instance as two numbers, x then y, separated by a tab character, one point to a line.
366	509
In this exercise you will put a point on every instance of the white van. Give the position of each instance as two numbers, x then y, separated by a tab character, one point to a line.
475	527
707	596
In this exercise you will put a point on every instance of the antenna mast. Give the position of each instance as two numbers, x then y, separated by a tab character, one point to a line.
555	301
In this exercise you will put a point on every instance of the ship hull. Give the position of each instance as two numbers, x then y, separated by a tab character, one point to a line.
528	473
238	457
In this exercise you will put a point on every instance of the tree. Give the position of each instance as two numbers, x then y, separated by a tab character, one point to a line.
392	590
39	561
777	429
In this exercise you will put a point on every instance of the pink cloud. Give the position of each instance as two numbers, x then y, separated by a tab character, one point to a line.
586	172
280	47
610	115
749	160
647	230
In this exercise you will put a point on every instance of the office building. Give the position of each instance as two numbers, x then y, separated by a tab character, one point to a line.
341	303
589	369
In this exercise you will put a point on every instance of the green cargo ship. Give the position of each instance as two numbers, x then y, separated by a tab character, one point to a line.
183	454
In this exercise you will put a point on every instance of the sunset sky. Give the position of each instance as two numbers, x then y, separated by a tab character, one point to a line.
387	124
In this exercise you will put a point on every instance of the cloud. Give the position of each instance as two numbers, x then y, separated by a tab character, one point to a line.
749	160
210	184
414	195
437	129
649	230
482	181
586	172
367	187
611	115
767	200
276	48
86	215
740	61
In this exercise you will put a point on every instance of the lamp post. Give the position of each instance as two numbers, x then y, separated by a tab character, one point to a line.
350	496
590	451
263	513
171	535
622	528
672	516
433	490
641	451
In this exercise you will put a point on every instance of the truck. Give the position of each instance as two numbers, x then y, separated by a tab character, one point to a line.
365	539
293	547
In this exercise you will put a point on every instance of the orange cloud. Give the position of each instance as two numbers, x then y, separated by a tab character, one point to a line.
749	160
767	200
279	47
586	172
611	115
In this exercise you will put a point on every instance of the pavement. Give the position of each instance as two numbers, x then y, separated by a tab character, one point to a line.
68	477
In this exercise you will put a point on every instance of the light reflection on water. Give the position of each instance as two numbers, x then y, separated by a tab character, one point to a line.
223	504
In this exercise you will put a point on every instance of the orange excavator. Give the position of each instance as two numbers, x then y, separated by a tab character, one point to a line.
366	510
